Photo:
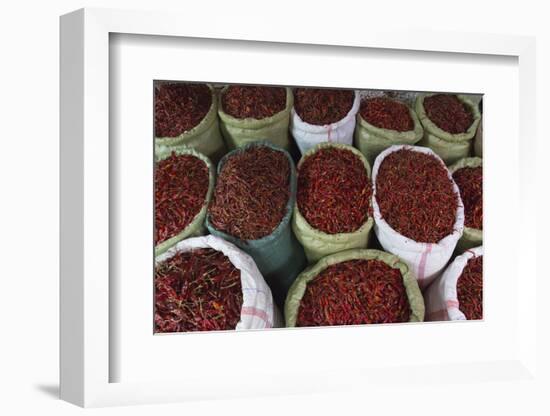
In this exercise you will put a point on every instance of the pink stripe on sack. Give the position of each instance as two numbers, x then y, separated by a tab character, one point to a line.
249	310
451	304
422	265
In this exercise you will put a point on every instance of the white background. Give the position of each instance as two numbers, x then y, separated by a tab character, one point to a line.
29	172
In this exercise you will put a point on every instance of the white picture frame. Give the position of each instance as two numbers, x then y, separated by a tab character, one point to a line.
88	301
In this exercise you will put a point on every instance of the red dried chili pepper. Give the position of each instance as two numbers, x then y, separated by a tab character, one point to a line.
199	290
469	289
181	185
322	106
448	113
416	196
179	107
334	191
253	102
386	113
251	194
470	184
355	292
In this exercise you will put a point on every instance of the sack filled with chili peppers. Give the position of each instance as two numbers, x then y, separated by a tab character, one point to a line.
382	122
450	123
248	113
207	284
354	287
323	115
184	182
478	138
468	175
186	114
418	212
251	207
333	202
458	293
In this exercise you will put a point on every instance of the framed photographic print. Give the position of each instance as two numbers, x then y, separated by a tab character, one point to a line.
291	212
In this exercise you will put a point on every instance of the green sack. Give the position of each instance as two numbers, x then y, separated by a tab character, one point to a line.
205	137
298	288
478	141
450	147
471	237
317	243
239	132
278	255
196	226
372	140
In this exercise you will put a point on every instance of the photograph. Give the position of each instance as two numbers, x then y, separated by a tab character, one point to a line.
283	207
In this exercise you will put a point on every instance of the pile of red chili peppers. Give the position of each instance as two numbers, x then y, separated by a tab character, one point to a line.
416	196
469	289
386	113
448	113
322	106
180	107
253	102
470	184
334	191
198	290
181	185
355	292
252	193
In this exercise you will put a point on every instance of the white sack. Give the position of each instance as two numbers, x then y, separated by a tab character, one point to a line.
425	259
258	310
441	298
308	135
